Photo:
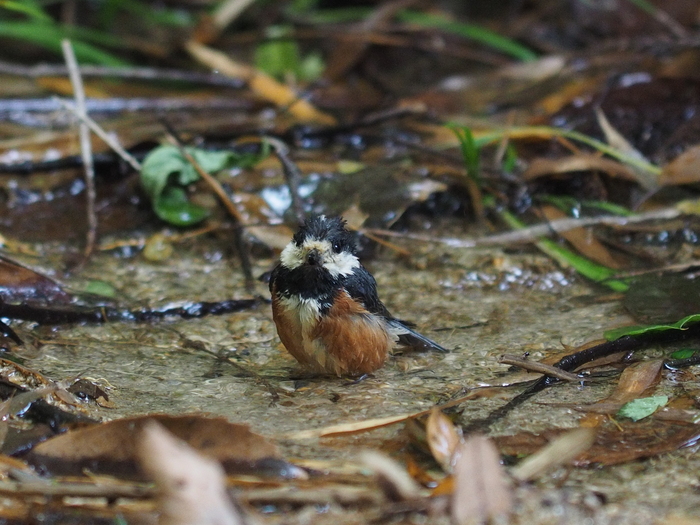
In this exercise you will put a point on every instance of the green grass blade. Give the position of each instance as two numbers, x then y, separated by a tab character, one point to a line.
470	31
593	271
49	37
28	8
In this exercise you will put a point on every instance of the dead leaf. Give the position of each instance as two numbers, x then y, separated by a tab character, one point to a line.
541	167
110	448
19	283
443	439
619	142
558	452
481	488
394	479
684	169
614	443
635	382
191	487
583	240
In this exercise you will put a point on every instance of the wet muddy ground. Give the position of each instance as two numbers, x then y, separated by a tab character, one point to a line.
479	303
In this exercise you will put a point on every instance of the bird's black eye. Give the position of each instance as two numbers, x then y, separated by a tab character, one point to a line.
337	247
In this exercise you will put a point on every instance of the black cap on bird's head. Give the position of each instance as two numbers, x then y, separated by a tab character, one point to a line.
331	229
322	242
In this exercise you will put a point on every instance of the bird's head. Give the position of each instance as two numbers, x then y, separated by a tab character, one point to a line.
322	243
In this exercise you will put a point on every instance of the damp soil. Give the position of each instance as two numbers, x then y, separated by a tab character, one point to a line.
478	303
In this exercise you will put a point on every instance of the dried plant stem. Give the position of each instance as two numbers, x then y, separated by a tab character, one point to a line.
85	148
534	366
97	130
532	233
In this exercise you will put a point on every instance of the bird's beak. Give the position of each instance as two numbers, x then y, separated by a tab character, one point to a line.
314	258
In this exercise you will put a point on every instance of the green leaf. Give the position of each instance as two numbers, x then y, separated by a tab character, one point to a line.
165	173
101	288
278	56
683	324
174	208
684	353
643	407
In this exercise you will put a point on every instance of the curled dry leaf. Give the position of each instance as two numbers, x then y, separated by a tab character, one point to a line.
443	439
191	487
636	380
481	491
18	283
541	167
559	452
395	481
110	448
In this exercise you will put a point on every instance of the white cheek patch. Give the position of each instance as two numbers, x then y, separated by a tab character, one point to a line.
342	263
292	256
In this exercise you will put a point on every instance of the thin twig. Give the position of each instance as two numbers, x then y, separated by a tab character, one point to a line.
211	181
97	130
534	366
241	245
292	174
16	108
92	490
85	148
533	233
140	73
228	11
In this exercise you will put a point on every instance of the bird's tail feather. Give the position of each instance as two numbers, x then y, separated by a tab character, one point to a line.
412	339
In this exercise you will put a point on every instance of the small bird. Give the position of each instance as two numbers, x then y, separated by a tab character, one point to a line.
326	308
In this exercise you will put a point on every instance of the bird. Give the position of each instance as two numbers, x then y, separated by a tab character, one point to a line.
326	308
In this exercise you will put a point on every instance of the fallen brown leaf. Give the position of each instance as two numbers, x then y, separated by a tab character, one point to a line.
191	487
614	443
443	439
110	448
558	452
481	490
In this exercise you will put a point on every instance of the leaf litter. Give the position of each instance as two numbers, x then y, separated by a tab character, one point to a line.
613	153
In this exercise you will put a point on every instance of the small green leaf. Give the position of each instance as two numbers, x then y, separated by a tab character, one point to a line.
279	55
643	407
683	324
684	353
470	152
101	288
173	207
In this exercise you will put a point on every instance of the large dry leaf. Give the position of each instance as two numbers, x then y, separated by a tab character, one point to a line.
110	448
18	283
481	490
191	487
614	443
